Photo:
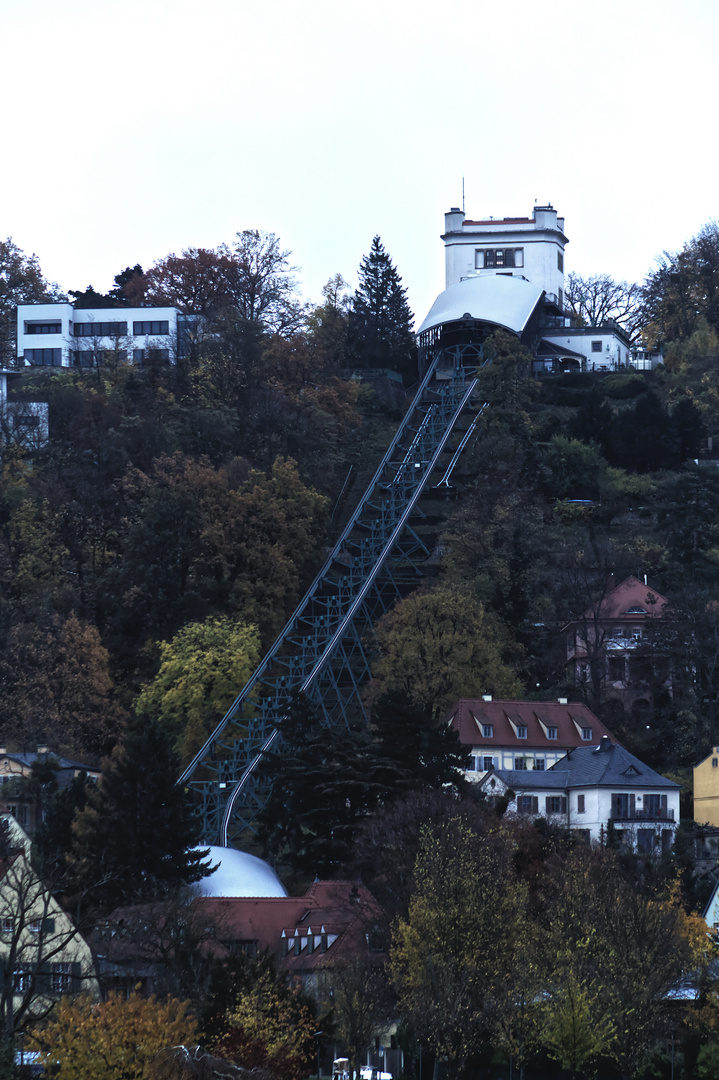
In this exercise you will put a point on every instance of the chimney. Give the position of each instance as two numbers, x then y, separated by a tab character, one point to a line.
563	700
486	697
605	744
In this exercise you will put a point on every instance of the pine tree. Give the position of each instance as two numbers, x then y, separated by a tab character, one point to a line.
380	329
134	839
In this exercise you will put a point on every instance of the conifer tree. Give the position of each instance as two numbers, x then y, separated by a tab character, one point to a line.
380	329
134	840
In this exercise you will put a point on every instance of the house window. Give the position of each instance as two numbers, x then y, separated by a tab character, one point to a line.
636	633
640	668
35	926
556	804
623	805
7	926
87	358
520	763
487	731
158	326
587	734
521	731
616	668
46	357
580	804
493	258
667	839
551	733
22	976
655	806
714	763
42	328
61	978
539	764
26	421
528	804
488	763
100	329
596	346
645	840
140	355
560	261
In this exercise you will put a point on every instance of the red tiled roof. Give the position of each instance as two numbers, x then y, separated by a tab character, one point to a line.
502	221
469	715
335	905
631	593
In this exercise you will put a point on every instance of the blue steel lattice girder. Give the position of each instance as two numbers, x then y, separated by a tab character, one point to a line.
322	651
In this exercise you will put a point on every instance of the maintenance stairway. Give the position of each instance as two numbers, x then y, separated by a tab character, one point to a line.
323	651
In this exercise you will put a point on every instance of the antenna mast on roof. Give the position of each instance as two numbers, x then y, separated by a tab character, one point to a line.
462	194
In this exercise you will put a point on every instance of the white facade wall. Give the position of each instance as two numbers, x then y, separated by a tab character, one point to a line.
540	238
614	350
598	811
61	321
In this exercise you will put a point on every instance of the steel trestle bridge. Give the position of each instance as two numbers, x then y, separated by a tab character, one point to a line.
323	651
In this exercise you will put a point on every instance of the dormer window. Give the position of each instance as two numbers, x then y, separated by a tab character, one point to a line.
587	734
551	733
521	731
488	731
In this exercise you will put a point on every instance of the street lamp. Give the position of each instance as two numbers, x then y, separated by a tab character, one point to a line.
317	1036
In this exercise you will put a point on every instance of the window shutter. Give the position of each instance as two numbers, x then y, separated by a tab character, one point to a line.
564	804
48	926
76	971
547	804
632	804
535	804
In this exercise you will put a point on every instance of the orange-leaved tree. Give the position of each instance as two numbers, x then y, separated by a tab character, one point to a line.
269	1027
115	1039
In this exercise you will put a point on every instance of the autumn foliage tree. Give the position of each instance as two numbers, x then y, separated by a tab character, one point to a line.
437	645
117	1039
202	669
270	1027
449	954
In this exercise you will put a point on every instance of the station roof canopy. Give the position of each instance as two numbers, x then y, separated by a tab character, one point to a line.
505	301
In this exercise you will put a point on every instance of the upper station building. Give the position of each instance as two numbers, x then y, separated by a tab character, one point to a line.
529	248
509	273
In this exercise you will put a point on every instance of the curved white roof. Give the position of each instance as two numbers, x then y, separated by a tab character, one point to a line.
495	298
239	874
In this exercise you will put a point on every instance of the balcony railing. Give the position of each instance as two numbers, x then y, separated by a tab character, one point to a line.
643	813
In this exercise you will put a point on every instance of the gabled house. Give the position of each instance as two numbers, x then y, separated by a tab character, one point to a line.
600	791
522	735
706	790
42	954
332	922
16	768
616	648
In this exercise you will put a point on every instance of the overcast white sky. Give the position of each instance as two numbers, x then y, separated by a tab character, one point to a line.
138	128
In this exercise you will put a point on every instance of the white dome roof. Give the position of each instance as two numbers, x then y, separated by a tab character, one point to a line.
495	298
239	874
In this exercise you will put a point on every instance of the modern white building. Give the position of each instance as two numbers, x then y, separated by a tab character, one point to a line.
602	348
61	335
531	248
598	791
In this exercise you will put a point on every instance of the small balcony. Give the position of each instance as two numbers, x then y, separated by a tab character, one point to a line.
642	813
